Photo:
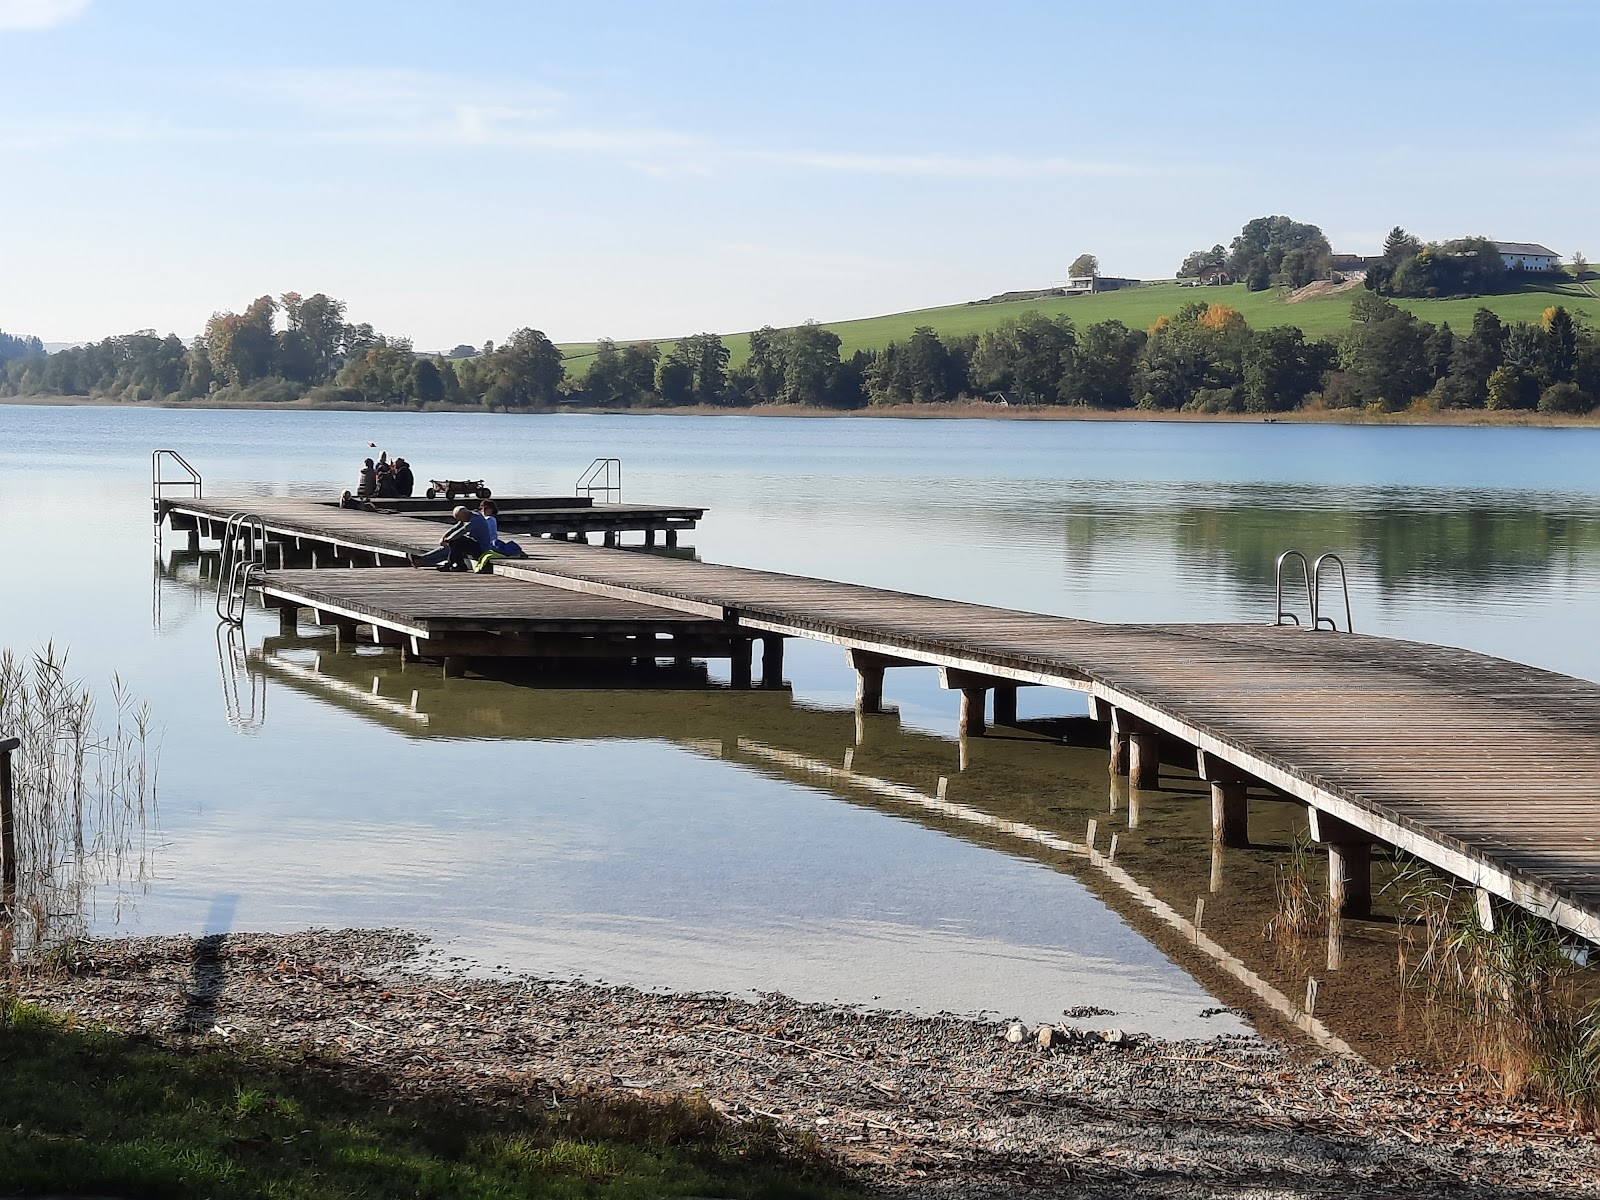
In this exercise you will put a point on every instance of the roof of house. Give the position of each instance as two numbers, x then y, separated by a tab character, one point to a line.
1526	248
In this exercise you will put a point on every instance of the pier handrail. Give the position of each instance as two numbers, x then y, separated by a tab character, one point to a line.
1316	594
1311	596
159	484
602	475
233	576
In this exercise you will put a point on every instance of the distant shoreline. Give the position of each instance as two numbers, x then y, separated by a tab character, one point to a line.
975	410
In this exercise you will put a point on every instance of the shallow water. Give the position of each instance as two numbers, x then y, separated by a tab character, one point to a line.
676	836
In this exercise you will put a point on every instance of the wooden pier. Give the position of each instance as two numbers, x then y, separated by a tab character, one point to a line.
393	528
1488	769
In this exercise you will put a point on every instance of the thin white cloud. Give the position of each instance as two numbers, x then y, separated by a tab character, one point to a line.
944	165
38	14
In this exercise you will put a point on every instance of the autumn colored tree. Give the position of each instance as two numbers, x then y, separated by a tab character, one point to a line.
1085	266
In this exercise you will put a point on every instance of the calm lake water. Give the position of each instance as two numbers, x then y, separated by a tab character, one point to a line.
684	836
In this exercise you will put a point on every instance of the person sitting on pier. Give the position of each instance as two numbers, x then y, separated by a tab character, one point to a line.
467	539
386	484
403	480
368	483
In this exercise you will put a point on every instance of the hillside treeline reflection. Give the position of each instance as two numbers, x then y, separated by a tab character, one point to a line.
1402	541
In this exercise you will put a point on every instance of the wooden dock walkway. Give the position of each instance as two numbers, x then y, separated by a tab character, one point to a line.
1488	769
411	527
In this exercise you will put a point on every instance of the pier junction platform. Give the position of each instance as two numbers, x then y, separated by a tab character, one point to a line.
1486	769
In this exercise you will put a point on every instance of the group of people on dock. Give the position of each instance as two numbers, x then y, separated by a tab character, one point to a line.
383	479
474	537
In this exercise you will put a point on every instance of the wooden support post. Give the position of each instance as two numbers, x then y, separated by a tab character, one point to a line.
1230	814
454	667
649	537
1005	704
1144	760
1119	753
1349	864
672	537
344	635
772	660
288	620
869	689
1230	806
610	539
194	539
739	667
973	700
1349	879
8	834
1216	866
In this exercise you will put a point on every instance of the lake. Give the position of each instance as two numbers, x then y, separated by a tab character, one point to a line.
668	832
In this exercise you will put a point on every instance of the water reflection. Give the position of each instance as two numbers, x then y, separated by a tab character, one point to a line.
1027	794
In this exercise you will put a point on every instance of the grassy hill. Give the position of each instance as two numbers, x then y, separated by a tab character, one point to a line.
1139	307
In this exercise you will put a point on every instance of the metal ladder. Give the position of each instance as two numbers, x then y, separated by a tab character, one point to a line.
239	564
603	475
159	461
1312	573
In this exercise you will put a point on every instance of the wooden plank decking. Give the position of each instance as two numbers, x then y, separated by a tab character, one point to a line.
399	533
1488	769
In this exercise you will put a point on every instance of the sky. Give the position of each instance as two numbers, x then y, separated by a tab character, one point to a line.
457	171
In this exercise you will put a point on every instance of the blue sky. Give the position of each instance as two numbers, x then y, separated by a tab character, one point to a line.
455	171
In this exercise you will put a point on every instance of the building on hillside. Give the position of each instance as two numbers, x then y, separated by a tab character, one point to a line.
1527	256
1090	284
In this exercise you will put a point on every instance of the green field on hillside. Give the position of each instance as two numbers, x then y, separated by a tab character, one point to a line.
1139	307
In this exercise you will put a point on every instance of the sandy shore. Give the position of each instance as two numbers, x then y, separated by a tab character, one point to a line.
912	1106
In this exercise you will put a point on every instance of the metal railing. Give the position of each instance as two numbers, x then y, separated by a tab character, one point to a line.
1317	618
244	553
603	475
1312	574
160	460
1305	568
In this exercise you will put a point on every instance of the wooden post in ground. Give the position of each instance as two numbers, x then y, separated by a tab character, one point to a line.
649	537
288	620
8	834
772	660
454	666
672	538
1005	704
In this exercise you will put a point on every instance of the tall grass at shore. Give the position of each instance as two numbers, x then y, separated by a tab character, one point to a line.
84	797
1507	995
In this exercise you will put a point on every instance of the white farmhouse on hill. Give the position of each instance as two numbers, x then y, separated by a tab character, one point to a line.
1527	256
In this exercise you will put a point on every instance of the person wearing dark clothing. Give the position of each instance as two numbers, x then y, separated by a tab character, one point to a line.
403	482
368	483
467	539
386	485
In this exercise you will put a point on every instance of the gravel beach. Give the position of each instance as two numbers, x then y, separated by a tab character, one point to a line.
912	1106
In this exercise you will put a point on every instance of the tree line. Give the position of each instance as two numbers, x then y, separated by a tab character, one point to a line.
1281	252
1203	358
313	351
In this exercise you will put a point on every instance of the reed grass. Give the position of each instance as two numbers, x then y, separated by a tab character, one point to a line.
84	799
1507	999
